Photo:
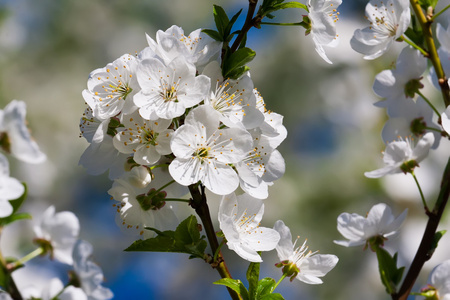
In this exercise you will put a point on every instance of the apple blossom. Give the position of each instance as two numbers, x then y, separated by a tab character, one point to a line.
399	86
148	140
111	89
89	274
10	188
379	225
168	90
388	19
197	47
300	263
239	219
15	137
439	283
323	15
403	156
59	232
204	152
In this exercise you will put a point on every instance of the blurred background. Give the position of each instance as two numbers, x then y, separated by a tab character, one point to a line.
47	50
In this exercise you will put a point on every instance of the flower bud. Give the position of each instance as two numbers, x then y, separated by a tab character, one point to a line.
139	177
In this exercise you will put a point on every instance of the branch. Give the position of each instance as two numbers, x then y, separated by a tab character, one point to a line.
249	23
425	251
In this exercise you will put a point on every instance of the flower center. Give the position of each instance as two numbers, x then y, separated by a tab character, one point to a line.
150	137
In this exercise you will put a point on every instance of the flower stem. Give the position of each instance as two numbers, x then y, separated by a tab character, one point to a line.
159	166
29	256
201	208
425	23
425	206
433	129
414	45
429	102
164	186
439	13
278	282
177	200
425	250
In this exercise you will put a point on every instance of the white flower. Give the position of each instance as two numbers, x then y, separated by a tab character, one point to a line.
239	218
399	85
14	135
445	118
10	188
142	207
388	19
233	99
168	90
379	223
443	36
139	177
323	15
89	274
61	231
54	289
204	152
310	266
440	281
111	89
148	140
5	296
197	48
403	156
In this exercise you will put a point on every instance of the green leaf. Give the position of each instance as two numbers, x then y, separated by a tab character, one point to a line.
390	274
427	3
221	19
236	285
290	5
185	239
238	72
437	236
275	296
213	34
252	278
265	287
231	23
236	61
16	204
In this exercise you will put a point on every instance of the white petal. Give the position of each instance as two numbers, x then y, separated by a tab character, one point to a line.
285	247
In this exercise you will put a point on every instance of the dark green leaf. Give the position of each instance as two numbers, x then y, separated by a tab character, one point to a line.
221	19
213	34
265	287
237	60
252	278
231	23
238	72
236	285
185	239
272	297
3	277
390	274
290	5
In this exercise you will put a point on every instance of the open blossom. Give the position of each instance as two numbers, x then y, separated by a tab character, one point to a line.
54	289
15	137
168	90
388	19
148	140
89	274
379	223
439	283
398	86
10	188
204	152
308	265
323	15
110	89
197	47
403	156
60	232
239	218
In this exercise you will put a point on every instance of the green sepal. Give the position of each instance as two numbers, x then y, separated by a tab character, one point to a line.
16	204
236	285
389	273
185	239
437	236
213	34
275	296
113	124
252	278
234	64
265	287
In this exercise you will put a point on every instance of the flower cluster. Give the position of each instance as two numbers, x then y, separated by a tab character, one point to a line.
166	118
